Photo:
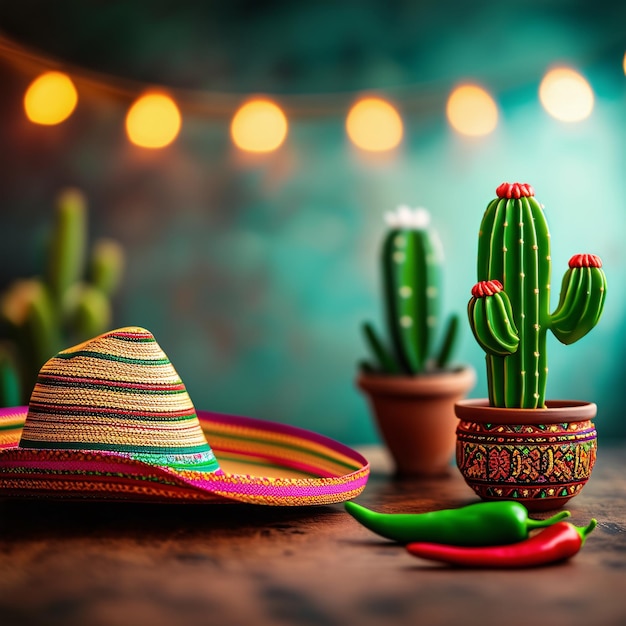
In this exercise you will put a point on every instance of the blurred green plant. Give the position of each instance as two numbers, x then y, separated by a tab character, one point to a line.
69	303
411	266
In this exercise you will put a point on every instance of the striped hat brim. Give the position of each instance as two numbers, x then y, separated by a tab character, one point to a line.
260	462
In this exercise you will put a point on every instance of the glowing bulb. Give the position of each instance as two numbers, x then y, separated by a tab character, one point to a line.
624	63
566	95
259	126
50	99
153	121
472	111
374	125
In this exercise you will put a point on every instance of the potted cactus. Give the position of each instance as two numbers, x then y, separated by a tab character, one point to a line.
410	384
518	445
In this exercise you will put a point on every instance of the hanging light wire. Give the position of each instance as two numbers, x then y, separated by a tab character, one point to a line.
423	98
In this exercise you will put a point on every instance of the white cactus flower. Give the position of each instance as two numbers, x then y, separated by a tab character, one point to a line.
391	219
406	217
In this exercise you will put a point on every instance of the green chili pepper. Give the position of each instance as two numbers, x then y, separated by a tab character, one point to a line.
479	524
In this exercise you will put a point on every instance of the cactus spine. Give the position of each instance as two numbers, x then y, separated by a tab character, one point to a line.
40	316
509	311
411	269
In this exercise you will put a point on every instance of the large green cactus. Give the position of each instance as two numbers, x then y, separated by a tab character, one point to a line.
411	268
509	311
70	303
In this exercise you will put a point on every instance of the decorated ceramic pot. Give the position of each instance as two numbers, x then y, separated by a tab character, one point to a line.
539	457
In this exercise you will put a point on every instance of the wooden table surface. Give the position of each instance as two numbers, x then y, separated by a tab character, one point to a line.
94	564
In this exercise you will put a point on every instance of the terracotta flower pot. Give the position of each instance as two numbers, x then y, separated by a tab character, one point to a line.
540	457
415	417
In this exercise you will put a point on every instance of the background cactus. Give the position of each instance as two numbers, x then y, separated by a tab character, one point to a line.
70	303
411	269
509	311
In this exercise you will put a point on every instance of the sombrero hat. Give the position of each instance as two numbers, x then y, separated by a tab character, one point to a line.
110	419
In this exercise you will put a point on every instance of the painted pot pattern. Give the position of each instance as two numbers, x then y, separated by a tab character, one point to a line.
541	465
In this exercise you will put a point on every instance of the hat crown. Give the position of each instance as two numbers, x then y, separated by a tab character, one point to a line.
117	393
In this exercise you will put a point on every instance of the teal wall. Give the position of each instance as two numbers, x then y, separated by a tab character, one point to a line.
255	274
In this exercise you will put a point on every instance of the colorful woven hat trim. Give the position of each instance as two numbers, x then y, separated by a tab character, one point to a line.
284	465
277	445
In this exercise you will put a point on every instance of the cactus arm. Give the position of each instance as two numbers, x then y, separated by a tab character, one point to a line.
491	319
384	358
493	325
42	325
67	252
92	313
31	323
447	345
581	301
41	333
366	367
106	265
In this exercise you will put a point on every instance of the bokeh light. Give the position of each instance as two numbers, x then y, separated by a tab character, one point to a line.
153	121
472	111
259	126
566	95
374	125
50	99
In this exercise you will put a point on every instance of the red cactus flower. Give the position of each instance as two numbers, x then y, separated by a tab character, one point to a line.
585	260
515	190
486	288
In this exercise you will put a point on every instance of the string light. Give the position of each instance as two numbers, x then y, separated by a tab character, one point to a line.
566	95
50	99
153	121
472	111
259	126
374	125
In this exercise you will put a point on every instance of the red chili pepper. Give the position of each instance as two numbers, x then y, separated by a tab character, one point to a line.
555	543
